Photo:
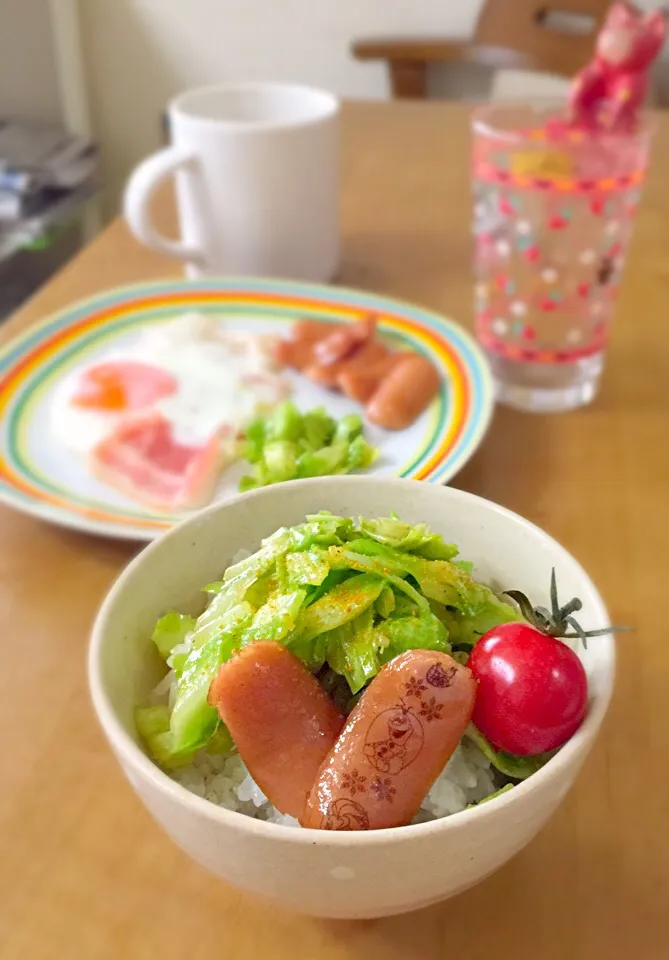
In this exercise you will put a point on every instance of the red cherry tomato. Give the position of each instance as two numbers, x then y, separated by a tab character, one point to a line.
532	689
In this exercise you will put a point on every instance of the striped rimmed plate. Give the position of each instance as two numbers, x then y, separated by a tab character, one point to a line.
39	476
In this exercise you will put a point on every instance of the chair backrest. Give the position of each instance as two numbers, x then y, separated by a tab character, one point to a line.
558	38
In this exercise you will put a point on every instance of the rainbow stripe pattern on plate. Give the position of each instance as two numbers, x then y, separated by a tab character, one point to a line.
31	365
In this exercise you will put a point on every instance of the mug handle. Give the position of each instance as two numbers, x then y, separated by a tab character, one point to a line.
143	183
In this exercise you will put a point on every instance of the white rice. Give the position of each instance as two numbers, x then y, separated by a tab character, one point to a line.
224	780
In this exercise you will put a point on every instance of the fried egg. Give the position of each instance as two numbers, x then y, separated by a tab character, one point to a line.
200	380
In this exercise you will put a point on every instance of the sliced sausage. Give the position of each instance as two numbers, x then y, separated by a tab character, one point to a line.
297	354
395	744
327	375
313	330
282	721
298	350
404	394
345	341
360	381
374	357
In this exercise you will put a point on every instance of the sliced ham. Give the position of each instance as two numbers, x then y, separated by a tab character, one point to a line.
142	460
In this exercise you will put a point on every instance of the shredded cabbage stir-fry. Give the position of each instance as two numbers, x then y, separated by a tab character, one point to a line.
289	445
344	595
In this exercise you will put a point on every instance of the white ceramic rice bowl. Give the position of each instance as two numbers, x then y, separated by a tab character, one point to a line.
323	873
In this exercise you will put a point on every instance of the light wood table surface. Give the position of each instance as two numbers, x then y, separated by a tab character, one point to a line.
85	873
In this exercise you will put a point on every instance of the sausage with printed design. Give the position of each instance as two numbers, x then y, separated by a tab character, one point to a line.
394	745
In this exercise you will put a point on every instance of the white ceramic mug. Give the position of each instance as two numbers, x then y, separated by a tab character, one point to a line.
256	169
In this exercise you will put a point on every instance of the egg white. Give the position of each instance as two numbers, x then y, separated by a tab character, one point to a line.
223	378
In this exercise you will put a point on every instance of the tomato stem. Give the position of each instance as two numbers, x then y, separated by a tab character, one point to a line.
557	621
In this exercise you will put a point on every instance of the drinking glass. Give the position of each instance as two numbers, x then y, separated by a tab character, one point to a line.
554	211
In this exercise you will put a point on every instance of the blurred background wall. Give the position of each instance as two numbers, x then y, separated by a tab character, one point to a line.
139	53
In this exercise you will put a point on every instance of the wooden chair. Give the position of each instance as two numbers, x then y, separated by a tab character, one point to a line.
517	34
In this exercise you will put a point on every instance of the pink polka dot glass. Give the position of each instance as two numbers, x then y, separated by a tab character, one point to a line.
553	215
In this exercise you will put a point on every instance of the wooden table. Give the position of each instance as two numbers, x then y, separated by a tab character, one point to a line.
85	873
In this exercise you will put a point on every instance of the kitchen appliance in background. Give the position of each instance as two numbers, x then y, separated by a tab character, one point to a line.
40	164
46	177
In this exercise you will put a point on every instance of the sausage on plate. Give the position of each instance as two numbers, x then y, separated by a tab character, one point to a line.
407	390
344	341
282	721
368	355
360	381
298	350
394	745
